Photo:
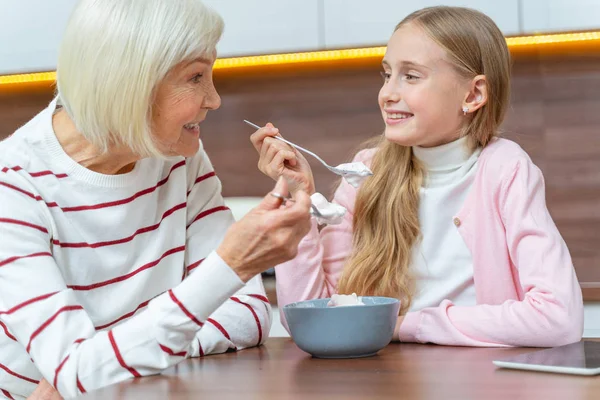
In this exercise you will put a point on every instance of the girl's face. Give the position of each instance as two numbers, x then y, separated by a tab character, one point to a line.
422	96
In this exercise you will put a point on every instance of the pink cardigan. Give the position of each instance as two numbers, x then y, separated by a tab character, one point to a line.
526	288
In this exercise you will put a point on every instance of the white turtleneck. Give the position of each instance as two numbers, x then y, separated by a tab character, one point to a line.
442	263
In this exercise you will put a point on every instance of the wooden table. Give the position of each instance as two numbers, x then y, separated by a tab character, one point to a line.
280	370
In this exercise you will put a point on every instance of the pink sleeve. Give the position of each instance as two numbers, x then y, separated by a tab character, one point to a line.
315	271
551	311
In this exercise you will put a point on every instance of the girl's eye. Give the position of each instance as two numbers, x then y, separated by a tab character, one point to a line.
385	75
409	77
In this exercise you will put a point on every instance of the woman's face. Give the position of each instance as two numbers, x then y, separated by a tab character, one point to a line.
181	103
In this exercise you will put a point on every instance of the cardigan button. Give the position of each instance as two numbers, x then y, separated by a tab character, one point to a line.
457	222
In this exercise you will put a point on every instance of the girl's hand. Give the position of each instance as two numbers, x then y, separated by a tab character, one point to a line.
280	159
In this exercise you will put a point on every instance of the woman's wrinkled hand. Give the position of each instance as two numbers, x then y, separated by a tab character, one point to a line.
268	235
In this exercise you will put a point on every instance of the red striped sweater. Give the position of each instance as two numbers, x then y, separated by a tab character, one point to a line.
104	278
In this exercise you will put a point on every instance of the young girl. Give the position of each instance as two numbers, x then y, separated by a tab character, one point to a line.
454	221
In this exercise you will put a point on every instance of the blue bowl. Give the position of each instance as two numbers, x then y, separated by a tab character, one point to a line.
345	331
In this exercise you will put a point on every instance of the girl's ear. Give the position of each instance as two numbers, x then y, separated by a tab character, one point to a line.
477	96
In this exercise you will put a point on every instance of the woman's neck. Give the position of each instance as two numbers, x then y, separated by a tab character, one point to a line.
113	162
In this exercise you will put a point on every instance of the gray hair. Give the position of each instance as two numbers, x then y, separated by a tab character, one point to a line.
114	54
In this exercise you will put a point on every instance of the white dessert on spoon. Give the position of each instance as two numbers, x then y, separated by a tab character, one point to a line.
324	211
357	172
331	213
354	173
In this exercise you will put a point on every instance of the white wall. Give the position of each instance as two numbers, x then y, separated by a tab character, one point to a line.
365	23
591	319
560	15
267	26
30	30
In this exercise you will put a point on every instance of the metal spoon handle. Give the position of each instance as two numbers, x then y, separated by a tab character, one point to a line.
294	145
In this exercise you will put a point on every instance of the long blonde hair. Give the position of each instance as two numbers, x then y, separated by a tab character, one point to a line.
386	223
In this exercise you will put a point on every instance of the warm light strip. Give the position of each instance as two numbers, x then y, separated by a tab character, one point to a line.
28	78
329	55
552	39
296	58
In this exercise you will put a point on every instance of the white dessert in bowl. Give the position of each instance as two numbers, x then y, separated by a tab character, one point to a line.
338	300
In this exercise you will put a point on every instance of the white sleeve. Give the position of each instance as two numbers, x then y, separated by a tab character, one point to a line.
44	315
244	320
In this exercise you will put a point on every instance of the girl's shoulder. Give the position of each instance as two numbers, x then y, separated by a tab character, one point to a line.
503	148
503	154
504	161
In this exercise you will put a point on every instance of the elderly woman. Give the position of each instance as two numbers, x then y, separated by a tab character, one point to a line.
118	258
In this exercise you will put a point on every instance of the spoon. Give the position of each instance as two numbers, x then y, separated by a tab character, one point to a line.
345	170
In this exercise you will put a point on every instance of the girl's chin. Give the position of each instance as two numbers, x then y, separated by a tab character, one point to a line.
400	138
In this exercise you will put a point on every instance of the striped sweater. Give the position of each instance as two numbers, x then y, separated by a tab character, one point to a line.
108	277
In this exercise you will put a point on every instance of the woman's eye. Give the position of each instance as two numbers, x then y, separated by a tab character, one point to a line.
197	78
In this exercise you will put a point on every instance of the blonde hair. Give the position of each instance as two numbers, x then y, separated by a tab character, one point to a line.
386	223
113	55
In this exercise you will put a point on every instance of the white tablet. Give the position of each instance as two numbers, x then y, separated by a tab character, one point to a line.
580	358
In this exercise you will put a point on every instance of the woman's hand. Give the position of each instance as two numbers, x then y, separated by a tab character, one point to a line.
45	391
280	159
268	235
